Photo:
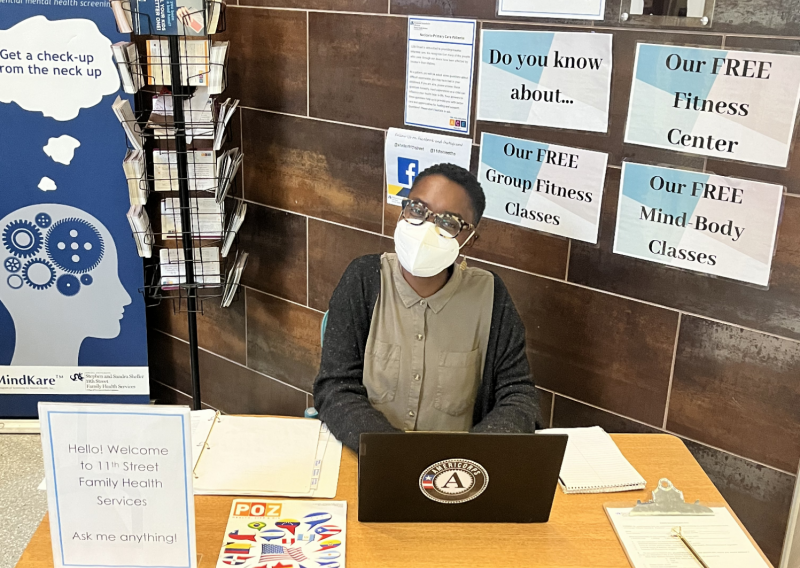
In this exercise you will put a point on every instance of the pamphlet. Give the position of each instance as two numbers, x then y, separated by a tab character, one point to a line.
235	223
207	218
229	292
205	262
142	230
193	57
170	17
201	166
288	534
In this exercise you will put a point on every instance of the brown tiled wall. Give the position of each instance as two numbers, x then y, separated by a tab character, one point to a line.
627	344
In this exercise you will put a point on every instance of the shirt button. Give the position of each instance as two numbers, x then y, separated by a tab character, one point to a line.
416	377
423	303
419	337
412	414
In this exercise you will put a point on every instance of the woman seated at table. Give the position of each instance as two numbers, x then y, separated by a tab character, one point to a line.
416	342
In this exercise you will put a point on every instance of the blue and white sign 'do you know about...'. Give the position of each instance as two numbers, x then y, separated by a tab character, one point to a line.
119	485
698	221
735	105
554	189
552	79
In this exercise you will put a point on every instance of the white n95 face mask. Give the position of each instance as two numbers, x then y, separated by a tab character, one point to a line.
422	250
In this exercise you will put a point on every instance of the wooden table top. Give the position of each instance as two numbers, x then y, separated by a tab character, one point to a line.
578	535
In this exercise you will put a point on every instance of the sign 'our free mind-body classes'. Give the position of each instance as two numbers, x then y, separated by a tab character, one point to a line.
552	79
735	105
698	221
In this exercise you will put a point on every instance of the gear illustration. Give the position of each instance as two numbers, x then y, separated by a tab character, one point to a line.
74	245
43	220
86	279
68	285
12	264
14	282
39	274
22	238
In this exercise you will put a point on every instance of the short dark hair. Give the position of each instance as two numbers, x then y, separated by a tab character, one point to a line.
463	178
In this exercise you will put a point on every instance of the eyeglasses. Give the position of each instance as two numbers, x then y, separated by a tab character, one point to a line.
448	225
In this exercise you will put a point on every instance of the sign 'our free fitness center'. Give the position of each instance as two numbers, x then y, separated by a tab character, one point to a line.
735	105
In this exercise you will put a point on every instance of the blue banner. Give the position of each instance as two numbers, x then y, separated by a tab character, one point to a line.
72	322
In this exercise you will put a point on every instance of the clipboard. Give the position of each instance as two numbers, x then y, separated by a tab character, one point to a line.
668	501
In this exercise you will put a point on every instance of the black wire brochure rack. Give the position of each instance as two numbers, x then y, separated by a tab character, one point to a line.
188	236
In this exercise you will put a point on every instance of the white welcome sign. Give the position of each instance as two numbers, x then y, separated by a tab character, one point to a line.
119	485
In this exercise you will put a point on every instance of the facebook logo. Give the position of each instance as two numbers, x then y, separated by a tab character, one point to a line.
407	170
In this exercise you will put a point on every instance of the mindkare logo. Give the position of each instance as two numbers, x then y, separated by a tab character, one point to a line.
26	380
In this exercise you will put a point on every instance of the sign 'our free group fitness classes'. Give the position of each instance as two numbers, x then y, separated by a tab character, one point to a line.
698	221
554	189
734	105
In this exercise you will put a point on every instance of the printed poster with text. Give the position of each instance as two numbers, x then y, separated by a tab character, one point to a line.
408	152
698	221
736	105
553	79
71	315
554	189
439	73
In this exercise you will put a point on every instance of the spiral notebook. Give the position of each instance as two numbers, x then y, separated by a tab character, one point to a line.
594	464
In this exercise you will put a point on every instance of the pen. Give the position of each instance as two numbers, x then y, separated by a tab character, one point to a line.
676	532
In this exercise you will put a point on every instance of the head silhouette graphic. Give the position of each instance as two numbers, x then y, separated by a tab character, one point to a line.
59	282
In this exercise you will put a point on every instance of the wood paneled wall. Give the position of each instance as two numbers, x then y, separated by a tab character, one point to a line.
627	344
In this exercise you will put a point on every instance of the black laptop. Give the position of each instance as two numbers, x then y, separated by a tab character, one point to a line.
443	477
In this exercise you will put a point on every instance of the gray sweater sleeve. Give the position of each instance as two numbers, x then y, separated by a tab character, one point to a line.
339	393
509	400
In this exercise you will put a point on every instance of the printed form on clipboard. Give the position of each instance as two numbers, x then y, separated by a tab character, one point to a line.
594	464
670	533
264	456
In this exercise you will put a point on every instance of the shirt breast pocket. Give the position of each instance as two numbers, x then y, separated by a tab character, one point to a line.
385	362
457	382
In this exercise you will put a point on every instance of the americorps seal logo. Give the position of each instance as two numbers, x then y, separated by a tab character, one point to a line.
453	481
